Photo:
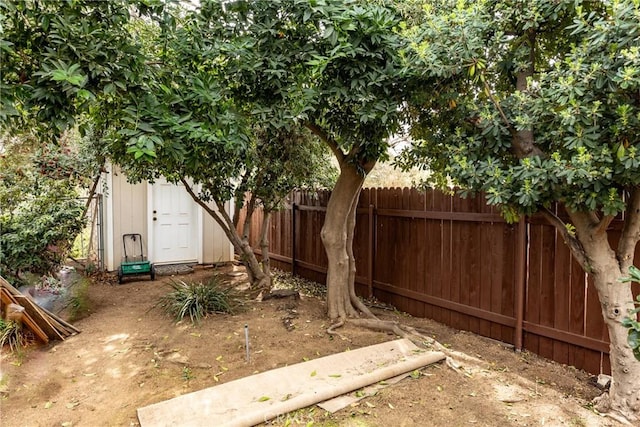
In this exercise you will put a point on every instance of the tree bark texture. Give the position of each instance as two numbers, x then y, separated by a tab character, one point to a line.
616	300
337	237
264	245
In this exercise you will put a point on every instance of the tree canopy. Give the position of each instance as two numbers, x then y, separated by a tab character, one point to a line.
60	59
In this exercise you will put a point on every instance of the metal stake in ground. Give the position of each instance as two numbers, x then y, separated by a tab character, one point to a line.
246	340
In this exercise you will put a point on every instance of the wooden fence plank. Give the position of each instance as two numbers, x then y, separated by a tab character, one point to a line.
561	288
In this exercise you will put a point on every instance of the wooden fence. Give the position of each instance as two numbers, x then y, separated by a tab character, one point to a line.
458	262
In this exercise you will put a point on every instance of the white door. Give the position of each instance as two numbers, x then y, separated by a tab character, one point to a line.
174	230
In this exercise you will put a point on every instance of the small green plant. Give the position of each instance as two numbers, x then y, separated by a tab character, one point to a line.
631	321
11	334
197	299
187	373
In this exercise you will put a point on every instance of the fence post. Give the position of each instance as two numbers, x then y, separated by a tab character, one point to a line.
371	251
521	280
293	238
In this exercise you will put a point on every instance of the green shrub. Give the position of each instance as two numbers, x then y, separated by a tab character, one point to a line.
37	234
40	213
197	299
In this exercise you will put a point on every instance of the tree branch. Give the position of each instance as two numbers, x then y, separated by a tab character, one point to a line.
523	141
569	238
332	143
215	215
603	224
630	231
239	196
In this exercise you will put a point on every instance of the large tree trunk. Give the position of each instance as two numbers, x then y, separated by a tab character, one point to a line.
337	237
616	299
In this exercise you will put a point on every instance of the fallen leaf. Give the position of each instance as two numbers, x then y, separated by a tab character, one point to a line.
219	358
335	375
314	373
48	405
264	399
370	405
197	335
391	406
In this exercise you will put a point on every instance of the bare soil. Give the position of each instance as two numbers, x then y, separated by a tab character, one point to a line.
130	354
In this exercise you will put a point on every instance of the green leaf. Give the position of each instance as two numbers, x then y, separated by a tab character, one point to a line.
633	339
76	79
59	75
264	399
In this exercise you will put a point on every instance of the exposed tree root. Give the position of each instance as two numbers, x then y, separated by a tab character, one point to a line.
602	404
403	331
400	330
332	330
360	306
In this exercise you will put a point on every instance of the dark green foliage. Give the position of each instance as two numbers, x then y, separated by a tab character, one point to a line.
60	58
567	72
198	299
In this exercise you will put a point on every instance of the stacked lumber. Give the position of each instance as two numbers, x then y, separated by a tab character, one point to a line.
45	325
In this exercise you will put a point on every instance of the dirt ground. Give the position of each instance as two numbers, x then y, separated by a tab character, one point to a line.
130	355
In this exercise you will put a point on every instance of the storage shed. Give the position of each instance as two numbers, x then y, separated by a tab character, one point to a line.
174	228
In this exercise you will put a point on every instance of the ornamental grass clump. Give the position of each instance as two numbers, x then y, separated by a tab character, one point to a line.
198	299
11	334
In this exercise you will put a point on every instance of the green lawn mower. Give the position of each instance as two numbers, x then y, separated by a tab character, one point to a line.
134	263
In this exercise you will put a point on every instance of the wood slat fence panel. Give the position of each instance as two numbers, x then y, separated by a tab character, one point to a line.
454	260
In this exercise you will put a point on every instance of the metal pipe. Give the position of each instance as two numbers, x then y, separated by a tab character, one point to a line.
246	341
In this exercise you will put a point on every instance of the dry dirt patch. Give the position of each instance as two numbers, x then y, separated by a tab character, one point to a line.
130	354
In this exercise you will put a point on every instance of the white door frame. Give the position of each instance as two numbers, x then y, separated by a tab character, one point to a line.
150	229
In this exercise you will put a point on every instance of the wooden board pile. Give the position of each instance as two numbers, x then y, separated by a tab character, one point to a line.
45	325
